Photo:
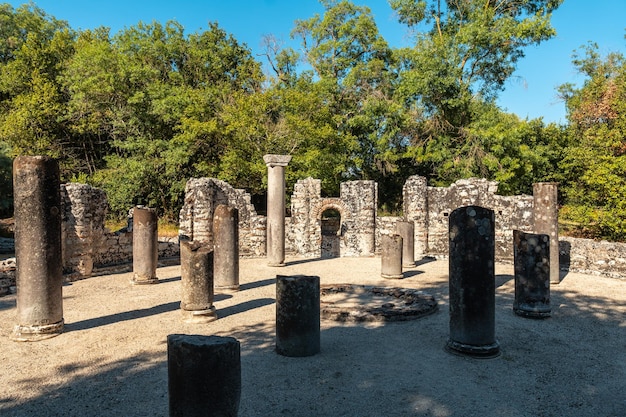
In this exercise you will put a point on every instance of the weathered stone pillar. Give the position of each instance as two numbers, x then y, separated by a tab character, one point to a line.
39	275
546	218
226	258
204	375
406	229
472	282
532	274
391	256
196	270
276	208
145	245
415	206
297	315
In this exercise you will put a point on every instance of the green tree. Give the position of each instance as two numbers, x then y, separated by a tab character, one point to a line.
33	51
594	167
357	69
465	51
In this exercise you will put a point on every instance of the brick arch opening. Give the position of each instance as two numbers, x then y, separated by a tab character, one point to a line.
331	204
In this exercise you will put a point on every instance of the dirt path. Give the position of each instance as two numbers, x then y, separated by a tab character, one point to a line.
111	360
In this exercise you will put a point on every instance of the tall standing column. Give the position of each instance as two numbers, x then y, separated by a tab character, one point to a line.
472	282
546	218
276	208
226	257
39	275
145	246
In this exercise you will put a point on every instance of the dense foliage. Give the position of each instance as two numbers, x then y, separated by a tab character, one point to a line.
139	112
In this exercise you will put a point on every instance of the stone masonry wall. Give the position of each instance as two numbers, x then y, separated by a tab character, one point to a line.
202	196
356	206
431	226
87	245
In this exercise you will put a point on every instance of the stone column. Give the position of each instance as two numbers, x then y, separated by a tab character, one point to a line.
39	275
415	206
226	257
145	245
406	229
276	208
546	218
472	282
297	315
196	271
531	253
204	375
391	256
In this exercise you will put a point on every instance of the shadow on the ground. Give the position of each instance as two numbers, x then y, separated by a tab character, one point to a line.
257	284
373	370
119	317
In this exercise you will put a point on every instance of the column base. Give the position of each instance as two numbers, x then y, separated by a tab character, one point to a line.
533	313
409	265
138	280
480	352
36	333
392	276
276	264
227	288
199	316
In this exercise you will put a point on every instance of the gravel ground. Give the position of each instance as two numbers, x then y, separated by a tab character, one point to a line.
112	358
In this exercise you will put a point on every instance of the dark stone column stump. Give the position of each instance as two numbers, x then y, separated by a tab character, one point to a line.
472	282
204	376
391	257
297	315
196	267
532	274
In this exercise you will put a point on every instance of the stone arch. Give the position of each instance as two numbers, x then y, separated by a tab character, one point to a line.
331	204
331	231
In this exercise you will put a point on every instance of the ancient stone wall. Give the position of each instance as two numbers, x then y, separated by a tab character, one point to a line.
355	234
431	225
202	196
88	247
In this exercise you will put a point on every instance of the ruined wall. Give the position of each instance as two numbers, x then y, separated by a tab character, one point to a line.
355	234
514	212
87	245
202	196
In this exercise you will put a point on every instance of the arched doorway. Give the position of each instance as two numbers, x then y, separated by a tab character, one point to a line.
331	233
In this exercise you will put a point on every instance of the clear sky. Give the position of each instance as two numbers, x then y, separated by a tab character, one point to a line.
530	93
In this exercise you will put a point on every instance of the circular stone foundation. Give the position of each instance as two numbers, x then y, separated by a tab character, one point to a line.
365	303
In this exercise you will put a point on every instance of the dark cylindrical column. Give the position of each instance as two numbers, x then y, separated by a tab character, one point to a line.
226	237
39	275
532	274
204	375
391	256
196	270
472	282
145	245
407	231
297	315
546	218
276	208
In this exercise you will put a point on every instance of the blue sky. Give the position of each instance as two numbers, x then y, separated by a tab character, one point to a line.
530	93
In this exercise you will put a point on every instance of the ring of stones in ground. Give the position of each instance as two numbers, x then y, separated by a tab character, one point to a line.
400	304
